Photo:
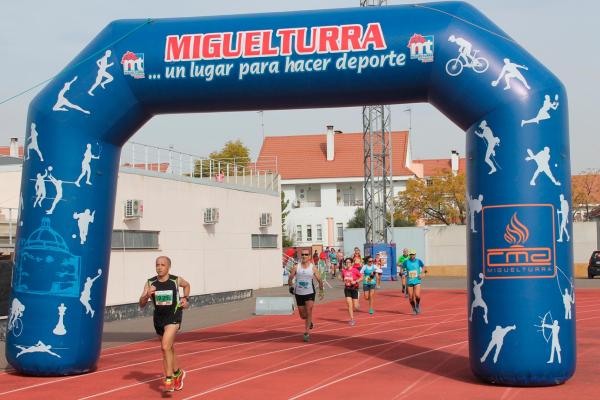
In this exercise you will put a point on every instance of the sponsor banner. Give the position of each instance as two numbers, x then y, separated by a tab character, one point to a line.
518	241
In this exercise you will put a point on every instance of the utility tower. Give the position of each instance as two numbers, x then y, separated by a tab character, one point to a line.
377	156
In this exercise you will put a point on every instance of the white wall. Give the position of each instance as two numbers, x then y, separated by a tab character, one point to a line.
10	183
213	258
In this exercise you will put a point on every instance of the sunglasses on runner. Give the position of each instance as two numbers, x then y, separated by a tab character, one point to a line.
305	254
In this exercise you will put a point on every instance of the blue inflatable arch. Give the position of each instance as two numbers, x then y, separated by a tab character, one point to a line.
513	110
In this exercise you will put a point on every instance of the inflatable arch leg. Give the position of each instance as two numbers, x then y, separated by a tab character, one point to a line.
514	112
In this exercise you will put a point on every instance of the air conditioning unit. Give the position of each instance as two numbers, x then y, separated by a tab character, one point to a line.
265	219
211	215
133	209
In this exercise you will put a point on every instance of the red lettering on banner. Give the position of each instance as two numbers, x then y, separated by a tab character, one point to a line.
328	39
211	48
266	48
177	48
252	44
374	37
351	35
302	47
260	43
285	45
228	49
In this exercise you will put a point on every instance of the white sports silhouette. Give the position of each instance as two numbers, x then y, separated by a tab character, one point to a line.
103	77
58	186
511	71
39	347
84	219
568	301
86	294
33	143
542	159
86	170
40	188
475	206
492	141
563	215
478	300
62	103
543	113
555	343
497	341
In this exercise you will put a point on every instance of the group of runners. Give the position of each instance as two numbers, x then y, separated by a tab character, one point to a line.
355	271
163	290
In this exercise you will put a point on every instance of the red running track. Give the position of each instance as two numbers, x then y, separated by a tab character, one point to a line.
389	355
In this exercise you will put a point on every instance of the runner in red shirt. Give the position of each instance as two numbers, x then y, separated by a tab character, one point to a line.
351	277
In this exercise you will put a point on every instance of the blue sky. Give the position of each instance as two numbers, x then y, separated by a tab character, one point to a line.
37	38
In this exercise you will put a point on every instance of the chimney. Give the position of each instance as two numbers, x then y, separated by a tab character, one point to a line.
14	147
454	162
330	143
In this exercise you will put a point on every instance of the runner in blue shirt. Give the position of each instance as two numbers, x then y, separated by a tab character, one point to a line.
369	271
415	269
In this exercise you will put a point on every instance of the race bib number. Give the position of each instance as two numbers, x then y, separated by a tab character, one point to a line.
412	274
369	279
303	284
163	297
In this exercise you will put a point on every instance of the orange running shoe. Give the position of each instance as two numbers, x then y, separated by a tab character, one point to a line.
168	385
178	380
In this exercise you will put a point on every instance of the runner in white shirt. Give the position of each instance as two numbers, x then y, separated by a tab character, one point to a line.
304	289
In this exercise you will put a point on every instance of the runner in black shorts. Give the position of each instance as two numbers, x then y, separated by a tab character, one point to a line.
163	289
352	279
304	289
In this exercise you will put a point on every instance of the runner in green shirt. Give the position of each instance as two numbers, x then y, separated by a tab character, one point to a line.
402	270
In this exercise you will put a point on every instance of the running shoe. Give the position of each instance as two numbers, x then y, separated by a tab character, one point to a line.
168	385
418	308
306	337
371	311
352	322
178	379
414	311
311	326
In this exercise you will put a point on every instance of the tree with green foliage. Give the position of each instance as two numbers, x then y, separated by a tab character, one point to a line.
285	240
440	199
358	219
234	155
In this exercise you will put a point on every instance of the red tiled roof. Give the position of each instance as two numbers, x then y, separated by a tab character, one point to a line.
162	167
437	167
5	151
305	156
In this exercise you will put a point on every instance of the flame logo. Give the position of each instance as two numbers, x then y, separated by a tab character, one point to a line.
516	232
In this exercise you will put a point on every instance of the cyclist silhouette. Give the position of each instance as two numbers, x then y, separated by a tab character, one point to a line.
465	59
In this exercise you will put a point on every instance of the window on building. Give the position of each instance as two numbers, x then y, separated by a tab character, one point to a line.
309	233
299	233
319	232
265	241
128	239
340	231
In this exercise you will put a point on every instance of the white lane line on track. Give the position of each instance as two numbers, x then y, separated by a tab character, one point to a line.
378	316
332	356
205	351
409	318
354	366
377	367
188	371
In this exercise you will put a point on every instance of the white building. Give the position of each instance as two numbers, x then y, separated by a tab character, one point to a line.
323	176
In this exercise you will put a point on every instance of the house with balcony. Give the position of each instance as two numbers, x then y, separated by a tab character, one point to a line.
322	176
